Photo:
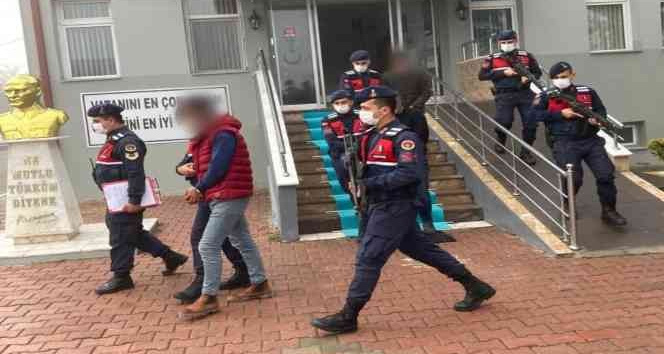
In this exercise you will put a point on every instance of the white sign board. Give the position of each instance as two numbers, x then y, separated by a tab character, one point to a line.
150	113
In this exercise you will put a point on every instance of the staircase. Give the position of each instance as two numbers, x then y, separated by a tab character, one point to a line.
317	207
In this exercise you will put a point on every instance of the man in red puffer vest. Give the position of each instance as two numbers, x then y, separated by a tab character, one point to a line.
224	180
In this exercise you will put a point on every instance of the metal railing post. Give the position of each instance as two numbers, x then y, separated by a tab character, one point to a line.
563	211
571	201
456	118
482	142
516	174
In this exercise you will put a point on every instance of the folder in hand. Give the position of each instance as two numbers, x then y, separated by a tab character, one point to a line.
116	194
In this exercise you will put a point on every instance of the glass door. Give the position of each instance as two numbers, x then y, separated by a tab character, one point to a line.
345	26
295	55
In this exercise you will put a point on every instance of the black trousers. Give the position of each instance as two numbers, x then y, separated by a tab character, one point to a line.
200	221
392	226
127	235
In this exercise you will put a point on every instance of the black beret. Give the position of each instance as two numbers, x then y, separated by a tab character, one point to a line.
339	94
103	110
558	68
372	92
359	55
506	35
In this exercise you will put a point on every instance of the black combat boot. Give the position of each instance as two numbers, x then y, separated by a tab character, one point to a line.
192	292
477	292
612	217
117	283
239	279
527	157
344	321
428	228
173	261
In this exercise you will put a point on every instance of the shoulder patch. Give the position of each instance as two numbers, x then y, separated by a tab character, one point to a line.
350	72
522	52
118	136
373	71
130	148
408	145
332	115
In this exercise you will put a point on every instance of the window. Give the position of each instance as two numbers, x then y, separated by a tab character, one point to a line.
609	25
630	132
216	37
488	17
87	39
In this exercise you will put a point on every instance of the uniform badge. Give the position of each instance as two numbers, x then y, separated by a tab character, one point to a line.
373	93
408	145
131	152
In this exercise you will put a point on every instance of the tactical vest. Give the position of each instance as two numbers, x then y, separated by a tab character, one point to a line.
382	153
575	127
336	123
356	80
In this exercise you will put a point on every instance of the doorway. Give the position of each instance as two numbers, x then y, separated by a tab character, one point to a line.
313	39
347	26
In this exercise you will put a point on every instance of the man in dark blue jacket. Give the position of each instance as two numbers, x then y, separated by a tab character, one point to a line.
394	158
575	138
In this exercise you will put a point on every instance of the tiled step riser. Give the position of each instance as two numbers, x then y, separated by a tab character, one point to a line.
455	183
445	199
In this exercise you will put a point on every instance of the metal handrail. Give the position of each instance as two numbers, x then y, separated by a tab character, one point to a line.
477	136
279	122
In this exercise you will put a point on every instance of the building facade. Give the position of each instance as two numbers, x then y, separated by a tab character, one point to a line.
143	53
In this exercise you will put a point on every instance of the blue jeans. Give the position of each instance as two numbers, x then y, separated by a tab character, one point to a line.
227	220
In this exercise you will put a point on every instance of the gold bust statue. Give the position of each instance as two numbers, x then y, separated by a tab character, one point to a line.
28	119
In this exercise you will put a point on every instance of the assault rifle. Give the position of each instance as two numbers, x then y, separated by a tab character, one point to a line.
355	168
604	122
524	71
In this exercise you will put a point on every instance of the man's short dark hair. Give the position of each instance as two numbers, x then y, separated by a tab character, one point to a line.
386	102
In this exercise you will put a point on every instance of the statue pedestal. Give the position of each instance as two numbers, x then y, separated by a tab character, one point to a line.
41	204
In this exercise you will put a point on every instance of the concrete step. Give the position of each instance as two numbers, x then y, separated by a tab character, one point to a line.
442	169
453	196
447	182
297	127
314	195
463	212
310	167
306	154
313	224
313	181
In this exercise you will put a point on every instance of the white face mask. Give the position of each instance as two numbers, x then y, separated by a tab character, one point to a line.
562	83
341	108
508	47
361	68
368	117
97	128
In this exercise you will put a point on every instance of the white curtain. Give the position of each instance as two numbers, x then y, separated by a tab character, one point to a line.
217	44
606	27
77	10
91	51
212	7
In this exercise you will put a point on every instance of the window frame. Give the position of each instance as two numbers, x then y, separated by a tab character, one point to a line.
635	135
242	39
63	24
627	24
492	5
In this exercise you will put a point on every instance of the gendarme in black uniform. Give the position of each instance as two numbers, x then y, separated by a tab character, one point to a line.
511	92
394	156
121	159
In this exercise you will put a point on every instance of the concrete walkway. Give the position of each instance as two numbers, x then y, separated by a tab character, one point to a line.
644	211
544	305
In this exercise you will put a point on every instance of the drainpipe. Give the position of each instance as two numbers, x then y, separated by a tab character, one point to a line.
38	29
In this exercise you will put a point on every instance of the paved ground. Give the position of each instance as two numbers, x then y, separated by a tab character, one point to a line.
543	306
